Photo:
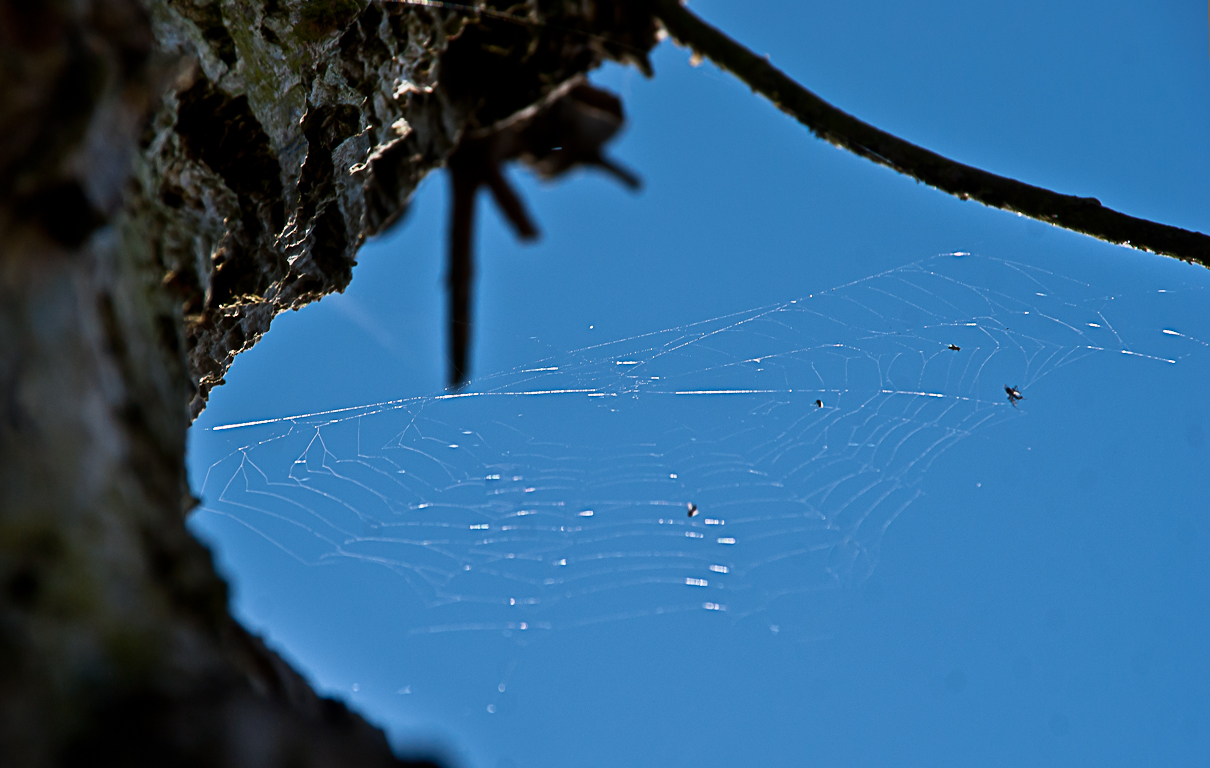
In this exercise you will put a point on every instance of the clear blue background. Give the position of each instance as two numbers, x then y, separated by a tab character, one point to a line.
1045	603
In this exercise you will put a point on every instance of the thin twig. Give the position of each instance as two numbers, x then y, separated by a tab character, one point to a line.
1085	215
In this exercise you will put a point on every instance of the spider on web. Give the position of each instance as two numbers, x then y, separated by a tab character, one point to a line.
1014	395
567	129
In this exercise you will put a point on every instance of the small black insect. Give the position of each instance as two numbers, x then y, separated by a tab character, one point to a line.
1014	395
955	347
692	509
819	403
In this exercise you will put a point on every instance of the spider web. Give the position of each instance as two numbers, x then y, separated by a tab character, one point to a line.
557	494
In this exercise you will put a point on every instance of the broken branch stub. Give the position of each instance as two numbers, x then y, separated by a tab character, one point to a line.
566	130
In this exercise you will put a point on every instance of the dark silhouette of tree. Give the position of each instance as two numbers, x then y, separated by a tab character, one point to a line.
173	174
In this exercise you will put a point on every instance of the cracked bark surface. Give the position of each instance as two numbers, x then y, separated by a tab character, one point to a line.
173	174
304	127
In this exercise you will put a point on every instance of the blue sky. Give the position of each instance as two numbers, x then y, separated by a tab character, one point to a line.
1040	593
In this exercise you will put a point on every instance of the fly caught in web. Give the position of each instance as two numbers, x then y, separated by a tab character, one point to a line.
555	495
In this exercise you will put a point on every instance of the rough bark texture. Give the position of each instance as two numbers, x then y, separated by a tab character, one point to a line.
174	173
305	126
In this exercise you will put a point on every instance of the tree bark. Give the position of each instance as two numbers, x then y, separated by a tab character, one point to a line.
173	174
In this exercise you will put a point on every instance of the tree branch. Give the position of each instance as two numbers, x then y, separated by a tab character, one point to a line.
1085	215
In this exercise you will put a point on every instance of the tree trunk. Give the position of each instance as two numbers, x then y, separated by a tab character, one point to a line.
173	174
